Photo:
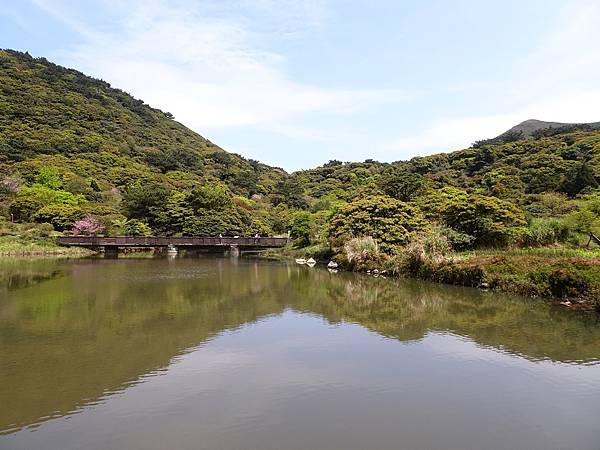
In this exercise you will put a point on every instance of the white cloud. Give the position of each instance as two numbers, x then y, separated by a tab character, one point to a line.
206	67
460	132
212	64
557	82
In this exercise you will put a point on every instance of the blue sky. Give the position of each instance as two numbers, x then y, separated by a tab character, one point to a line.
294	83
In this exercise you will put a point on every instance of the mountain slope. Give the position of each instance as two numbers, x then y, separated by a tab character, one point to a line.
528	128
71	146
46	109
511	170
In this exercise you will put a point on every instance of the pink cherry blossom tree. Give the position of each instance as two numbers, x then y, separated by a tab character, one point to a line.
87	225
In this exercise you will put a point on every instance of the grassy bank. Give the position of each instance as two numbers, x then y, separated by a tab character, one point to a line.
34	240
564	274
573	278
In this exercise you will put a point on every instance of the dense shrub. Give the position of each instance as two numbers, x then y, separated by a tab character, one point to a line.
389	221
134	227
301	228
488	220
543	232
61	217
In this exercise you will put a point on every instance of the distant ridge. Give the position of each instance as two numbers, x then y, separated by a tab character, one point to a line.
535	129
529	127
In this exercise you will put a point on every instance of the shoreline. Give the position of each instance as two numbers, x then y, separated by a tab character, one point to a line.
570	281
54	252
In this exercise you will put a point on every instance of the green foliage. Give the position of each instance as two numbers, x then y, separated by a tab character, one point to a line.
143	200
402	185
210	196
579	179
290	192
50	178
50	112
60	216
489	220
300	229
549	204
29	200
586	219
389	221
544	232
134	227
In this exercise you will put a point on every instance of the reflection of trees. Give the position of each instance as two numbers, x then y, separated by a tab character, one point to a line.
87	335
407	310
16	273
111	322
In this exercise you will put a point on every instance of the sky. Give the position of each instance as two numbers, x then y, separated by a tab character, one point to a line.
295	83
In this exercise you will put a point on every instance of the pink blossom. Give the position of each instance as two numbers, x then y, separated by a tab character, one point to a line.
11	184
87	225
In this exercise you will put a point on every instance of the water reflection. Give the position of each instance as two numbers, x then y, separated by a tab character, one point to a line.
18	273
73	340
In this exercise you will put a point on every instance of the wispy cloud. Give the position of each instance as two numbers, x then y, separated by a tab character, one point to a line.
208	67
556	81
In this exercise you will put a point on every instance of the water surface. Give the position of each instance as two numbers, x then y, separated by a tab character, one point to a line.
238	354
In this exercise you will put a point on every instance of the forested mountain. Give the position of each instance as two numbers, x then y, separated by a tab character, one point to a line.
566	162
77	155
69	133
72	147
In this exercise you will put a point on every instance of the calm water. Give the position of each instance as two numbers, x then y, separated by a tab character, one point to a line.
234	355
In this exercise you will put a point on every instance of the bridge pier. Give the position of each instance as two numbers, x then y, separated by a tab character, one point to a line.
234	251
172	251
111	251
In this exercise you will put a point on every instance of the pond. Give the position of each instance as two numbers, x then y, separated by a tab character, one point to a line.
236	354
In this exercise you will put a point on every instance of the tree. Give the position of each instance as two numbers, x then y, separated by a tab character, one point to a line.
59	216
142	201
290	192
301	228
88	225
402	185
31	199
210	196
488	220
577	179
173	217
389	221
134	227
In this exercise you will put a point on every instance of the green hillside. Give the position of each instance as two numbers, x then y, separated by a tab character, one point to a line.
64	131
78	155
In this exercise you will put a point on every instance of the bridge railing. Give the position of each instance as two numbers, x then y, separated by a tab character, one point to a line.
164	241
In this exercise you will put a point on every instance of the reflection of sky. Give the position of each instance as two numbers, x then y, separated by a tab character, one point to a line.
295	382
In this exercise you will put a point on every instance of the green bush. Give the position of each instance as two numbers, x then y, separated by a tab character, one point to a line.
301	228
544	232
488	220
389	221
29	200
134	227
61	217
